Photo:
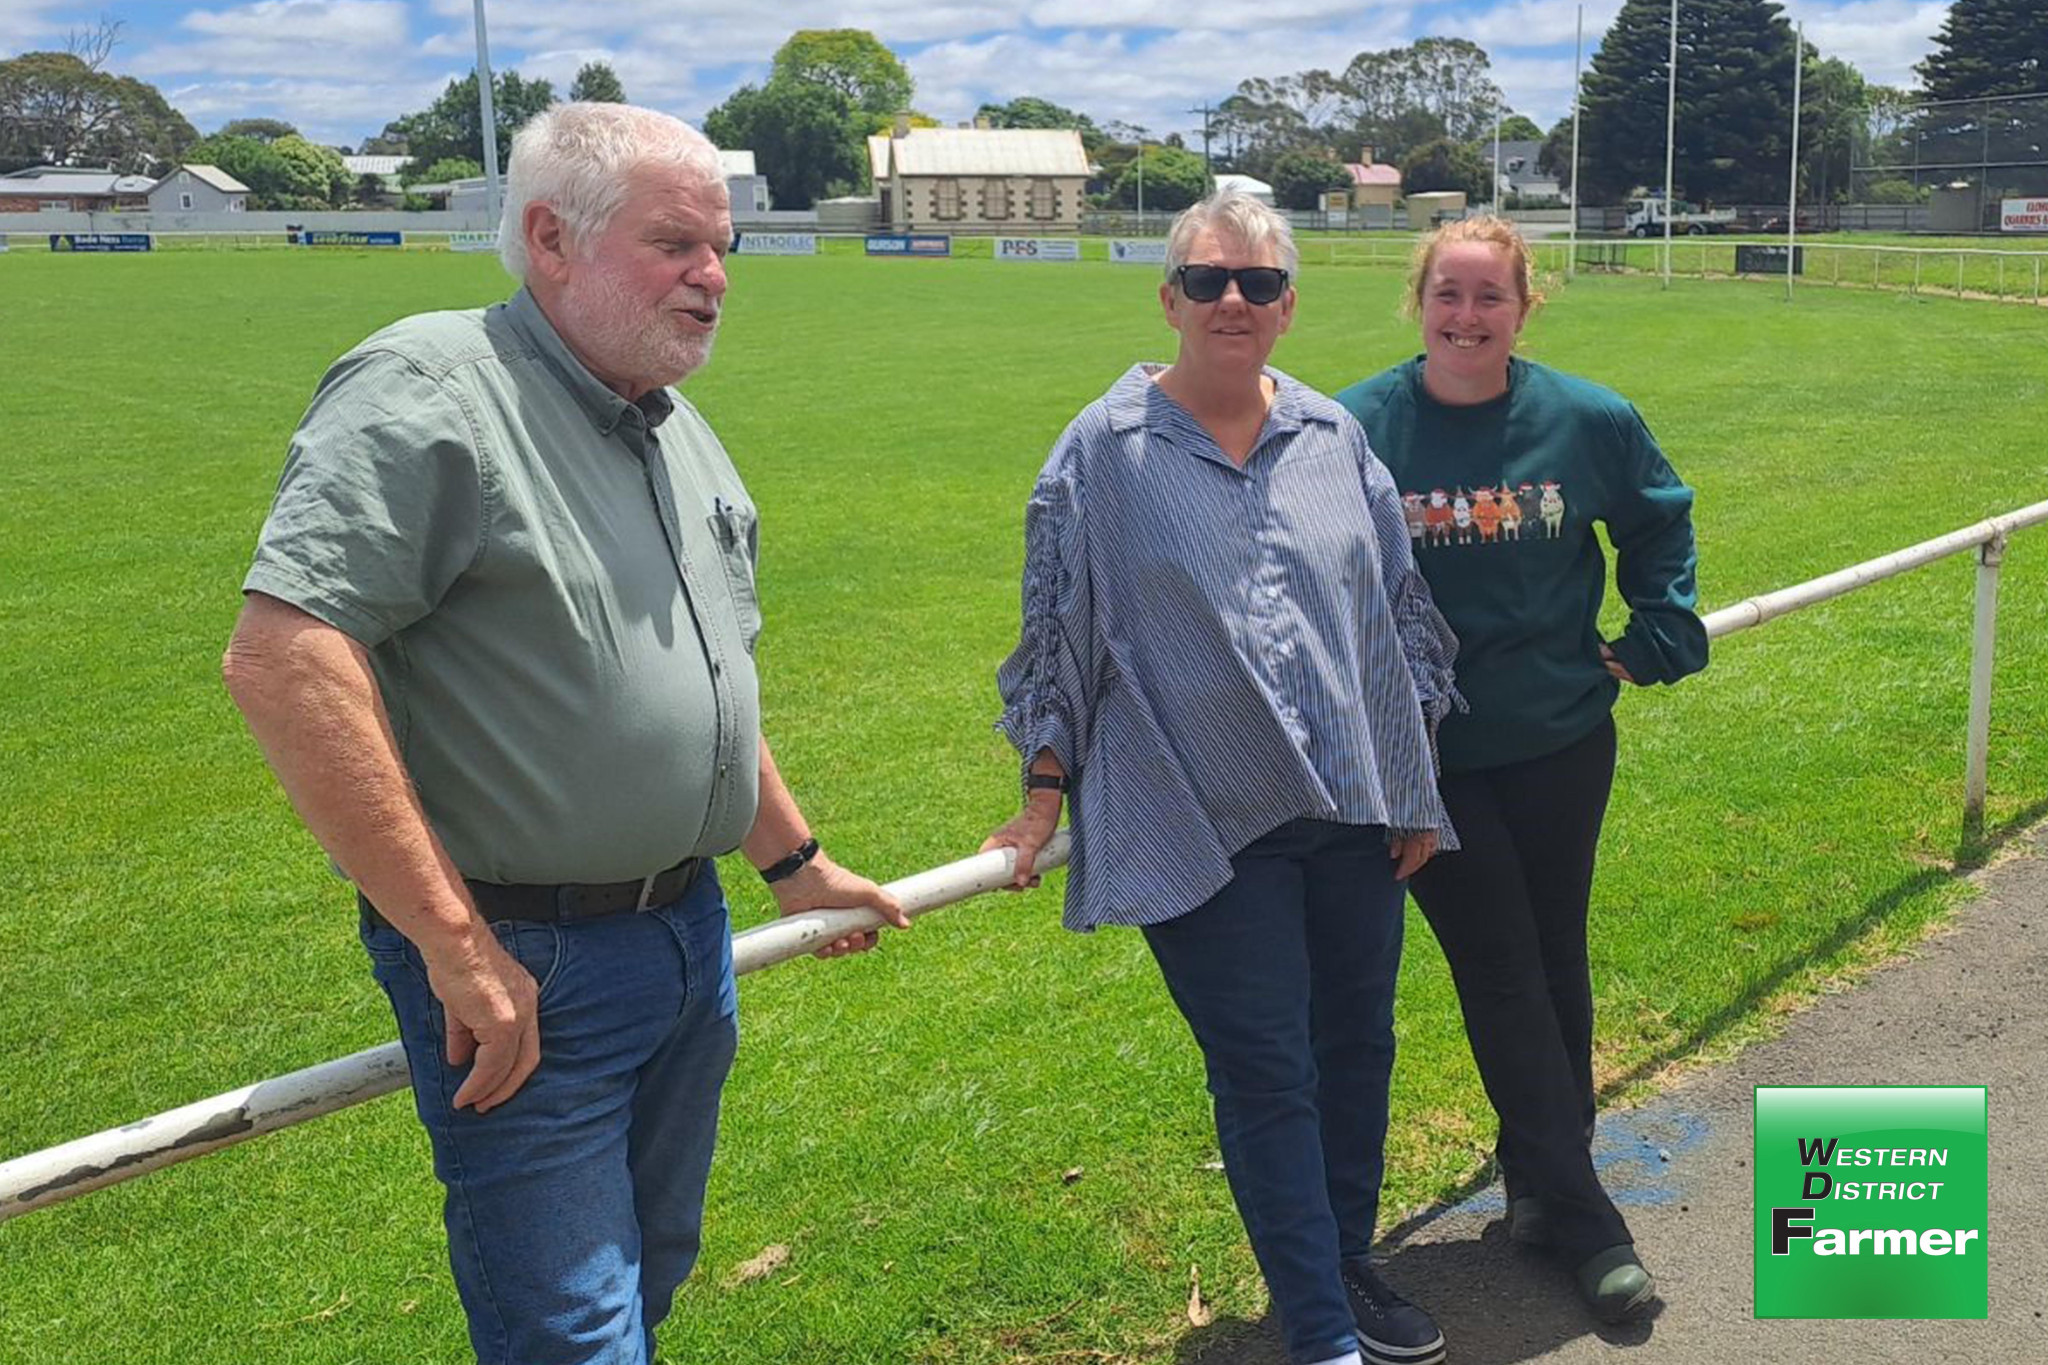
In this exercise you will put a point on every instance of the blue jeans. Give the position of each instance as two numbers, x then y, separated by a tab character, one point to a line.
574	1208
1286	977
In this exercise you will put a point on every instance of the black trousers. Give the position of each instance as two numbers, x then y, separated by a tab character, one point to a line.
1509	909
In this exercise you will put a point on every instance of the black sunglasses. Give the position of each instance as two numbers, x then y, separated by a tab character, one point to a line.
1260	284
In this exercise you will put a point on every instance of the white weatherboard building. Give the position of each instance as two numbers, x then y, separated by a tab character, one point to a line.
198	189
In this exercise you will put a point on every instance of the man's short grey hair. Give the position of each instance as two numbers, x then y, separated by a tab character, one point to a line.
578	157
1249	222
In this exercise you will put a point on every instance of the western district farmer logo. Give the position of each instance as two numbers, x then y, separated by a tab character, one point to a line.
1872	1201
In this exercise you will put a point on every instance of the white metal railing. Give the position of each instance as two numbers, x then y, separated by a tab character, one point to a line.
90	1163
64	1172
2000	273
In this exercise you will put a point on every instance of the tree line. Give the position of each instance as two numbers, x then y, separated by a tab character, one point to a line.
1428	107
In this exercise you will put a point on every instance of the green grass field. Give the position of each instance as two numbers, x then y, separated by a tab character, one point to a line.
903	1123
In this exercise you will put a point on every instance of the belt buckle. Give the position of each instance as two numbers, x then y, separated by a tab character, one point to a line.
646	892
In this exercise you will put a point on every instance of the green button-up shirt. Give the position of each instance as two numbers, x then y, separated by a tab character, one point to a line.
555	587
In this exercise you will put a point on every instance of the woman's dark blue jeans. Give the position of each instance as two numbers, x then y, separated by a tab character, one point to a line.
1286	977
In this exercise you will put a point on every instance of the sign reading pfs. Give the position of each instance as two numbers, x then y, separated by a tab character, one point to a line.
1872	1201
1037	249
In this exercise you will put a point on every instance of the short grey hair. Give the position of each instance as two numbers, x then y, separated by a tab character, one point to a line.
577	158
1251	223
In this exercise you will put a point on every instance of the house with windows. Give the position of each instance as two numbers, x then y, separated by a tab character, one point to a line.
1373	184
72	189
1518	172
198	189
982	180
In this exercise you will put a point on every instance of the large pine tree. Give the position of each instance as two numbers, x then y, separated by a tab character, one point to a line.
1988	47
1735	63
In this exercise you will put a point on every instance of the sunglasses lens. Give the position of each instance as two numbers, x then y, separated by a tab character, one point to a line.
1261	284
1203	283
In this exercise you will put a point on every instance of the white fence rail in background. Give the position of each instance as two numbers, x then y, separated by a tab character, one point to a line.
90	1163
2005	275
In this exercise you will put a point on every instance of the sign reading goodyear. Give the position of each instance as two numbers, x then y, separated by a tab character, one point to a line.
909	244
325	237
1872	1201
1037	249
99	241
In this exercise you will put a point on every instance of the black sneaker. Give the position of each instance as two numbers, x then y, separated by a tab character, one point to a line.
1391	1330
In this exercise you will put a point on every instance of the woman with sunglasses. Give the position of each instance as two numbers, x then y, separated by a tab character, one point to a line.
1540	456
1231	668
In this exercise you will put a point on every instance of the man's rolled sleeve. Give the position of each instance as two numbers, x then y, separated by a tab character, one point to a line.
381	504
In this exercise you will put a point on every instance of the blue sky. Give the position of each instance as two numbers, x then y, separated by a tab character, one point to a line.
341	68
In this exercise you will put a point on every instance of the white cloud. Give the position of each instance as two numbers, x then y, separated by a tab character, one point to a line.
285	37
1198	15
342	113
1094	71
1881	38
28	26
1536	23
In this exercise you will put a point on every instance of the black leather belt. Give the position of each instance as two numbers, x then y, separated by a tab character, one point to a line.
565	904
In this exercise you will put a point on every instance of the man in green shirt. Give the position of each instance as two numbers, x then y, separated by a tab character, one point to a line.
497	644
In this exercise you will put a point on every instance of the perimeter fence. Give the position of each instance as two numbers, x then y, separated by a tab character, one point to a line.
1985	150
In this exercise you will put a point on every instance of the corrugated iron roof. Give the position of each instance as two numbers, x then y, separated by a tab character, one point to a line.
1376	174
84	183
216	177
981	151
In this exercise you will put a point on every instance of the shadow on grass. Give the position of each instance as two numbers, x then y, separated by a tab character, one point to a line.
1496	1303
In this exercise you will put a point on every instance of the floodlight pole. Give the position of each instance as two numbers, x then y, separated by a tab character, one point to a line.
1792	206
1670	141
1571	262
488	110
1495	196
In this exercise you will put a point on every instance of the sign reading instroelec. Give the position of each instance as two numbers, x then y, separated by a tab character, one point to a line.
322	237
909	244
1037	249
472	241
777	244
99	241
2023	215
1138	251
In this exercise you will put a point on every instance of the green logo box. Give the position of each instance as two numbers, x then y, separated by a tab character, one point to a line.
1872	1201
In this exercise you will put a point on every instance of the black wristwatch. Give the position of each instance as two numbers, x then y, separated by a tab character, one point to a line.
793	864
1046	782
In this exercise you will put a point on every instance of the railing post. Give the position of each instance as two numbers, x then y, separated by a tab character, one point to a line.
1983	645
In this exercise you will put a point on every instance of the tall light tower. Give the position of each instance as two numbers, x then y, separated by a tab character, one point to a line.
489	112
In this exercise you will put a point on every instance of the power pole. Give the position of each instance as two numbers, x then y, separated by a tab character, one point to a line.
1205	111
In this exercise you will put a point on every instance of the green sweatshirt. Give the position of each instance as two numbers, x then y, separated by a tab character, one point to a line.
1500	500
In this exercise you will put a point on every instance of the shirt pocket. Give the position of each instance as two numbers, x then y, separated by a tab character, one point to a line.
734	528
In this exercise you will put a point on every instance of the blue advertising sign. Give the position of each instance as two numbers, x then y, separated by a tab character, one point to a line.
99	241
909	244
324	237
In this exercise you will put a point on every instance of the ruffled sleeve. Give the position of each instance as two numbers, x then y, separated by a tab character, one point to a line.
1045	683
1427	642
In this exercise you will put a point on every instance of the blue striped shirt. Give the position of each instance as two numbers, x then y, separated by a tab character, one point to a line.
1212	651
